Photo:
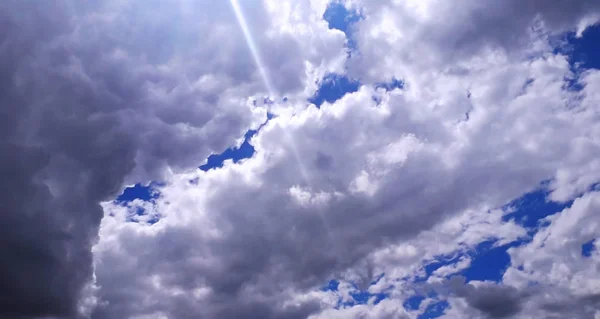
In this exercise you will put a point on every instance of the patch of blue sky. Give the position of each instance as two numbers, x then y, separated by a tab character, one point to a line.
532	207
364	296
361	297
434	307
138	191
332	285
332	88
488	261
428	302
413	303
340	18
146	193
588	248
434	310
583	53
391	85
236	154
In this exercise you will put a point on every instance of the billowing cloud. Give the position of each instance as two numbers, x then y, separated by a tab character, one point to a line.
399	39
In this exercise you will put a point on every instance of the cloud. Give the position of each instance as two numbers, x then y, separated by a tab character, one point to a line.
397	39
386	309
105	94
98	95
553	261
495	301
549	276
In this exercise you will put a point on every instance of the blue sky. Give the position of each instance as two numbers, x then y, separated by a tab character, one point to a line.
489	259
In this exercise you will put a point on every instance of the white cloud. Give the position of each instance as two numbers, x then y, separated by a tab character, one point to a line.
554	263
403	38
386	309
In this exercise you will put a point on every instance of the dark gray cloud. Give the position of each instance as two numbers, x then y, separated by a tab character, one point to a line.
579	307
493	300
46	238
77	116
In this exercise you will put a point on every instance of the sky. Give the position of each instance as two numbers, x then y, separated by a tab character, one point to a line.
300	159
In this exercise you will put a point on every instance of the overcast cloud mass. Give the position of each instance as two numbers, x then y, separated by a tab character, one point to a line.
367	191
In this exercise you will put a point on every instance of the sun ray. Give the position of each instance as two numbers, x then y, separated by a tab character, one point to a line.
267	83
252	46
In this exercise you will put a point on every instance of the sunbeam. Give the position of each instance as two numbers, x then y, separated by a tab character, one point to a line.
252	46
265	77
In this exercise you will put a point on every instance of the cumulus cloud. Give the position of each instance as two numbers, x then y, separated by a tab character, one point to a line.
387	309
398	39
98	95
553	261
